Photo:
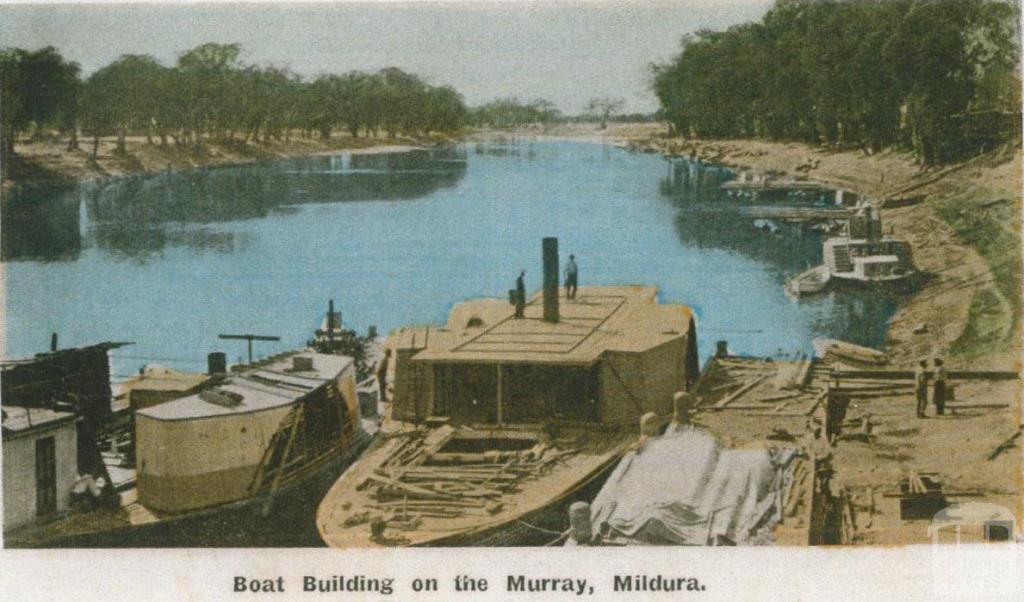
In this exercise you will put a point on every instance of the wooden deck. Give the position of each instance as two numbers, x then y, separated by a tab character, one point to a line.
426	496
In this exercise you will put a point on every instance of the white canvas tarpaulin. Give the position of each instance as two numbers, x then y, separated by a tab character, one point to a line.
686	488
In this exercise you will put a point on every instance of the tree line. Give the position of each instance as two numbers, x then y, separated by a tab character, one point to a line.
210	94
939	77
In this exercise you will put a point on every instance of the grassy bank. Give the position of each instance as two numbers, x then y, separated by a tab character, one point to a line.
965	232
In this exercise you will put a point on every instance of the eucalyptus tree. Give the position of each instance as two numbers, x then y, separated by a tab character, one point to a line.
873	74
604	107
206	78
38	88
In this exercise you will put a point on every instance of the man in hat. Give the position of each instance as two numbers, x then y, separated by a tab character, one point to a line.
921	387
520	294
939	387
571	278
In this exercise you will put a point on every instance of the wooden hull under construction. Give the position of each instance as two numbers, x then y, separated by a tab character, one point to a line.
409	489
286	521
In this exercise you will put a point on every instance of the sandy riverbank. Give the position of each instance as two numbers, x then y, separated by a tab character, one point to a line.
47	160
965	230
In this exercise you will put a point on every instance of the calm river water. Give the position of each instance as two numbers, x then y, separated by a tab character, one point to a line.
171	260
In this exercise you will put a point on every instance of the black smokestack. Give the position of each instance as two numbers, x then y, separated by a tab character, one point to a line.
550	279
217	363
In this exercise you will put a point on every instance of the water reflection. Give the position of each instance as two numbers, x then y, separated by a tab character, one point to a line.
708	217
140	216
41	224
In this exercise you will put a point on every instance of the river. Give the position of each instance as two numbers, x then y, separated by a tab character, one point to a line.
171	260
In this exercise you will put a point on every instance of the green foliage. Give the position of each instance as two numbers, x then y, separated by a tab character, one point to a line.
211	93
603	108
993	232
511	112
870	73
985	331
37	87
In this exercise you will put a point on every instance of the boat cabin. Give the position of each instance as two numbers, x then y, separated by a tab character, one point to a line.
231	439
613	354
865	254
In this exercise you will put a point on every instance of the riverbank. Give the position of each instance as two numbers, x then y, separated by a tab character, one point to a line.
965	231
47	160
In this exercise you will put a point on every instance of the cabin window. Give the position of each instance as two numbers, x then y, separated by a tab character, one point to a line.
530	393
998	531
540	393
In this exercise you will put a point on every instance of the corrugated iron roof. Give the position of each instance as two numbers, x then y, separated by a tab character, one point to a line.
265	385
18	420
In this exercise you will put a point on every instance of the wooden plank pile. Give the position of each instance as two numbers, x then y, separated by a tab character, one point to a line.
419	481
762	387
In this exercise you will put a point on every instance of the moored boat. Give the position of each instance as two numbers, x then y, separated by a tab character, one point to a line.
809	282
865	257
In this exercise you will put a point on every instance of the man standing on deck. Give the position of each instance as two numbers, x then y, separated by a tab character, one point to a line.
921	387
571	278
382	376
520	294
939	388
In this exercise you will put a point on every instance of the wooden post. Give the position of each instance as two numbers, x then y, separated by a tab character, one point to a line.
500	400
296	420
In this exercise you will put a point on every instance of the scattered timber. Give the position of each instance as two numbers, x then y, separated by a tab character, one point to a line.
740	392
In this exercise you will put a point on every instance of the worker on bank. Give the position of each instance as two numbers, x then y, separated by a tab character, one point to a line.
382	376
571	278
921	387
520	294
835	413
939	387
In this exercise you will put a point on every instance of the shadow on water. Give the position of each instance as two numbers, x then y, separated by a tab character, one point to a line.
41	224
140	216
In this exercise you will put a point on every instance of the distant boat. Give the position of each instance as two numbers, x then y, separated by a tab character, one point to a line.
865	257
809	282
833	349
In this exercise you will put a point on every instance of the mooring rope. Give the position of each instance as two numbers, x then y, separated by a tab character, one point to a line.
540	529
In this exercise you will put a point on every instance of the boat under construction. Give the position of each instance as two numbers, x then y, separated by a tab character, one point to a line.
225	461
498	423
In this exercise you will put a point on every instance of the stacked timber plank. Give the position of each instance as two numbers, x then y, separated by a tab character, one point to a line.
759	386
418	480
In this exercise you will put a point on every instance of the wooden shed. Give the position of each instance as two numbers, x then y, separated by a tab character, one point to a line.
231	439
614	354
158	384
40	464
